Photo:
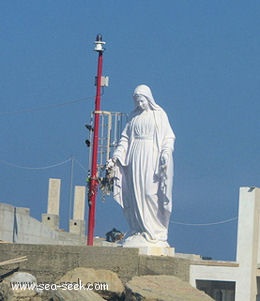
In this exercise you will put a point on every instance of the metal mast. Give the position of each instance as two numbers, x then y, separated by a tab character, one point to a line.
93	182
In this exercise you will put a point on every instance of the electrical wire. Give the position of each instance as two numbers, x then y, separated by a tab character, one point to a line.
45	167
47	107
80	165
35	168
72	159
205	224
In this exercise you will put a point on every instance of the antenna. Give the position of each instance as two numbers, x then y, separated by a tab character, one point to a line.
93	181
102	140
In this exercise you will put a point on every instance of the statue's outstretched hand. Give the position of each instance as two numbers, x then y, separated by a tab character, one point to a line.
110	164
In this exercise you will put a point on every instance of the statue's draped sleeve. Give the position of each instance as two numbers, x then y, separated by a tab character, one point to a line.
120	154
165	142
121	150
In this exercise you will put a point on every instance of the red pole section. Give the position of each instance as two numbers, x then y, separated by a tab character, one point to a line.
93	183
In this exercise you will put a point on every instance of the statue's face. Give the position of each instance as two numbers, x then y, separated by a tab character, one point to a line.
142	102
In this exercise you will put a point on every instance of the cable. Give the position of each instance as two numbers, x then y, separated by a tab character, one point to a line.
80	165
206	224
34	168
72	159
45	107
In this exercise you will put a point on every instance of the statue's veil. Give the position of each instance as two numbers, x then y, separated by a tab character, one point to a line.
147	93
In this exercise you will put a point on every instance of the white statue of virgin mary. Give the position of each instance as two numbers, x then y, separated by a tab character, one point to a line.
143	167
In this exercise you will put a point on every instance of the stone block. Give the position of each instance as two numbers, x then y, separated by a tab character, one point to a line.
104	282
162	287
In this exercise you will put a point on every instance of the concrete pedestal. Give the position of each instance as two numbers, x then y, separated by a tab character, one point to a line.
157	251
146	247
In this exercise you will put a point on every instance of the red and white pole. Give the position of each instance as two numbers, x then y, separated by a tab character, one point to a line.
93	183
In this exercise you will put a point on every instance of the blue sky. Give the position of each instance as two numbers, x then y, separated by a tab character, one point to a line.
201	60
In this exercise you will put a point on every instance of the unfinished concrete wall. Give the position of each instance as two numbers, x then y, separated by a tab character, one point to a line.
245	271
48	263
16	225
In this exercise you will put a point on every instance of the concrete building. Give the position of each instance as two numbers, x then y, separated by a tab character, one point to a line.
17	226
222	280
240	280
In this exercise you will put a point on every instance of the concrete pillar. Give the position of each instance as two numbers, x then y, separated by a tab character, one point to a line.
77	224
54	196
79	202
51	218
247	243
